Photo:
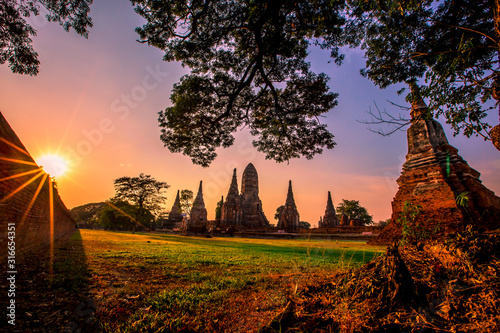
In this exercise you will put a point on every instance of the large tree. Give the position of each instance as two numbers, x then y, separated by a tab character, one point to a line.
450	48
354	211
144	193
277	215
248	69
15	32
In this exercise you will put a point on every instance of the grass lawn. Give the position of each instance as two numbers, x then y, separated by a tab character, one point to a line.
150	282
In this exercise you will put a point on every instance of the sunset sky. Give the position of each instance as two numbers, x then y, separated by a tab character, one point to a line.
96	102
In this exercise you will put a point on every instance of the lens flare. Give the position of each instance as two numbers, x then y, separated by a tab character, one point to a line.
53	165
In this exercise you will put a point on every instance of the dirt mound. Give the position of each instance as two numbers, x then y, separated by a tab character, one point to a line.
450	286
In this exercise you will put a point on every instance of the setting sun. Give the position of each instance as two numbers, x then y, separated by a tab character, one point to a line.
54	165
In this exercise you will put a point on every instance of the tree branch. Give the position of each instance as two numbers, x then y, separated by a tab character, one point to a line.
383	117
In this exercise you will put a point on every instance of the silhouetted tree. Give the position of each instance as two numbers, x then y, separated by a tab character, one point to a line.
305	225
144	193
116	215
354	211
119	215
15	33
248	68
449	47
278	212
248	63
87	214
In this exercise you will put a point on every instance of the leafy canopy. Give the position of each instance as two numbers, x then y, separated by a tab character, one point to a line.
144	193
450	47
248	69
305	225
15	32
277	215
354	211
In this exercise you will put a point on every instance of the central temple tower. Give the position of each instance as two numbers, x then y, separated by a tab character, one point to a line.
251	213
244	210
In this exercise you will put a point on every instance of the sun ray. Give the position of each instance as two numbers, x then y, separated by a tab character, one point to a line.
15	147
20	175
17	161
51	213
35	195
22	186
77	107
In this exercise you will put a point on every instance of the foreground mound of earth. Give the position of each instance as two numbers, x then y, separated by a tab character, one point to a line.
450	286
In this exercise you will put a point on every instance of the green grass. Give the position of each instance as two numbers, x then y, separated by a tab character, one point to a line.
147	282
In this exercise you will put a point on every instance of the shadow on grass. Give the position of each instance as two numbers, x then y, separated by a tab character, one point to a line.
52	294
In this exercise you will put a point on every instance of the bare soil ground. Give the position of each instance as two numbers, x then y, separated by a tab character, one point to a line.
451	286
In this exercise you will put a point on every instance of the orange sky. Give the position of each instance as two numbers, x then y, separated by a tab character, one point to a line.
96	101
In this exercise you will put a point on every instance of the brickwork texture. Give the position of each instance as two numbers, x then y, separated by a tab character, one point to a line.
25	199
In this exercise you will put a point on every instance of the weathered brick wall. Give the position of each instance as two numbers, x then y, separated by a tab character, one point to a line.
433	176
25	198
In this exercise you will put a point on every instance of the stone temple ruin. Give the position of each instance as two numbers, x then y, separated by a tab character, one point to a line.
433	176
198	216
245	209
174	219
289	215
175	213
330	219
231	207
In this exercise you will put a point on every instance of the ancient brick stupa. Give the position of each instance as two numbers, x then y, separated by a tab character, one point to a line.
433	176
231	207
198	216
251	213
289	216
175	213
245	209
330	219
175	216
